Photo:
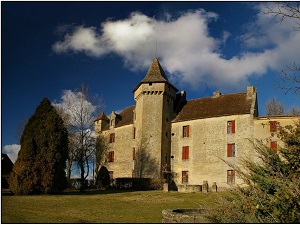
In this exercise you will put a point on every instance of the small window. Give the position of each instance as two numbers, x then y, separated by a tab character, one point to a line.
112	138
231	127
273	126
111	156
185	152
150	84
185	177
274	146
230	177
186	131
230	150
134	132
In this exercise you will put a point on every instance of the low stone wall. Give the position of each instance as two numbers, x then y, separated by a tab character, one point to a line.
184	216
189	188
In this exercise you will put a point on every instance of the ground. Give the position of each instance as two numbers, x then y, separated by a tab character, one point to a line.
96	206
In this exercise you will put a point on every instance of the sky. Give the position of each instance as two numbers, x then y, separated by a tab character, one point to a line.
51	47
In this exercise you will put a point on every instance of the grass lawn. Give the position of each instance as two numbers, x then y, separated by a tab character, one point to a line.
96	206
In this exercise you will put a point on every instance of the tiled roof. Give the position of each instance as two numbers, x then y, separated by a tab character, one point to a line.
155	74
102	116
230	104
126	116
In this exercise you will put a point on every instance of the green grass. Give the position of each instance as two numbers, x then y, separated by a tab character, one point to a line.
95	206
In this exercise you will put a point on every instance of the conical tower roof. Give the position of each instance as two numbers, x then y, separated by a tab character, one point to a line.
155	74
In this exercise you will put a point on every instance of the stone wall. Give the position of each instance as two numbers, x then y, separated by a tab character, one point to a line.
184	216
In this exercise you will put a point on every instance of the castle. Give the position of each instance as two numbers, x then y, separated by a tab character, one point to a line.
164	135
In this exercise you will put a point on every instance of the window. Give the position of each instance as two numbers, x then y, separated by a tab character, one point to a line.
230	176
186	131
185	152
231	127
111	156
111	175
185	176
274	146
230	150
134	133
112	138
133	153
273	126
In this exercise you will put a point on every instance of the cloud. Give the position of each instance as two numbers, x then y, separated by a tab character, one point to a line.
12	151
186	49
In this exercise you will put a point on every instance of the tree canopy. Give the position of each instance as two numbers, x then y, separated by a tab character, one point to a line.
42	158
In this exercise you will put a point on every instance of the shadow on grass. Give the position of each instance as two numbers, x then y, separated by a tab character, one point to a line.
68	192
99	191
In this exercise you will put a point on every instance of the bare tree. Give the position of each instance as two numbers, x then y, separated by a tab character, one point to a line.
290	80
80	110
273	107
145	165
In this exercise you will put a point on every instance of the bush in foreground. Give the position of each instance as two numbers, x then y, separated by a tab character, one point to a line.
272	194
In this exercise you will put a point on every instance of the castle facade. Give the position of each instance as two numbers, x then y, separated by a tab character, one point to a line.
164	135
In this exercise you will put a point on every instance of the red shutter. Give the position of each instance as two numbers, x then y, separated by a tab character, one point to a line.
185	152
233	126
133	153
188	130
229	150
274	146
273	126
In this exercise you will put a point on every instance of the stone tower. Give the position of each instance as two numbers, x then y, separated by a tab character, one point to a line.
154	111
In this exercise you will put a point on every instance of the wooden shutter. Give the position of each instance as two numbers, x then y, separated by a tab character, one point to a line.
233	126
273	126
229	150
187	130
133	153
185	152
274	146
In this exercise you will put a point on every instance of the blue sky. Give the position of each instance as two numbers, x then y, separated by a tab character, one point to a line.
48	47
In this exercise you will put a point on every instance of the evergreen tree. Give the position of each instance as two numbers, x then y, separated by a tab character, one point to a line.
42	158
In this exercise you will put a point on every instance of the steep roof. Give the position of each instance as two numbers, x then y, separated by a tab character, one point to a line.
126	116
155	74
102	116
230	104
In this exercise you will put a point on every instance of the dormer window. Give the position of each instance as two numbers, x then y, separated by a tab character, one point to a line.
112	122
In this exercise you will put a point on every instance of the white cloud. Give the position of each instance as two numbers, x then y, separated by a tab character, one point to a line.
186	50
12	151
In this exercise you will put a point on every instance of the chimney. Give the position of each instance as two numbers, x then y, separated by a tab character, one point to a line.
217	94
250	91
